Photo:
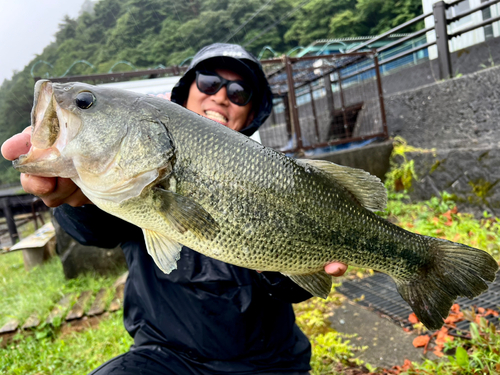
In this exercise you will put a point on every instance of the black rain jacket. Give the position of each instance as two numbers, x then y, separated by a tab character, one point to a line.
220	318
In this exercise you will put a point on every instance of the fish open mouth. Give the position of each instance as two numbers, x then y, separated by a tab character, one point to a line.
51	129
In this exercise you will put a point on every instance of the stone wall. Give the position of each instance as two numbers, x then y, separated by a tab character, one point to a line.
459	118
461	112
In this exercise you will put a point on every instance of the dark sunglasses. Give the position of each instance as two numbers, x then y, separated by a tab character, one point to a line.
238	92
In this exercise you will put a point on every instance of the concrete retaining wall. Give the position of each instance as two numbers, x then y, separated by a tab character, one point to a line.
460	119
373	158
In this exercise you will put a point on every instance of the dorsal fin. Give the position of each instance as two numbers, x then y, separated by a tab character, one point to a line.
367	189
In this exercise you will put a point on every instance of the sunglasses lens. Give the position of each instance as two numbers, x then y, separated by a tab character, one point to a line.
208	84
238	93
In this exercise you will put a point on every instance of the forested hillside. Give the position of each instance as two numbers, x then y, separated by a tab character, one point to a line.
149	33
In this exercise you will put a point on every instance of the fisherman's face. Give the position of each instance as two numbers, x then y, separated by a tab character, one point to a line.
218	107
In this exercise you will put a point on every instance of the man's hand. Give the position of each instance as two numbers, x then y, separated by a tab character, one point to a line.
53	191
334	269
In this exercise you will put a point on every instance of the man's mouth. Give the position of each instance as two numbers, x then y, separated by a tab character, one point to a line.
216	116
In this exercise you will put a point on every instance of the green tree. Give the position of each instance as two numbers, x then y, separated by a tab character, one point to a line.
313	21
373	17
152	32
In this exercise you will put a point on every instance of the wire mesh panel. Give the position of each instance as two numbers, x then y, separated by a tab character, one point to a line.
277	132
323	101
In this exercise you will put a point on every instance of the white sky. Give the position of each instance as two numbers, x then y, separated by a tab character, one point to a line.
27	27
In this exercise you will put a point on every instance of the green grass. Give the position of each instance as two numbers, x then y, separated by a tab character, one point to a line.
24	293
47	350
50	352
329	347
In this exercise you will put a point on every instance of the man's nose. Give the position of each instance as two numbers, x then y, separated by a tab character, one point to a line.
220	96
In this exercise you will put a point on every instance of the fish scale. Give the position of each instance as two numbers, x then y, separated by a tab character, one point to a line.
187	180
328	247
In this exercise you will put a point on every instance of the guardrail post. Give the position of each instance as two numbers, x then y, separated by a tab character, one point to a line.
380	95
441	27
342	103
288	119
313	105
293	101
329	96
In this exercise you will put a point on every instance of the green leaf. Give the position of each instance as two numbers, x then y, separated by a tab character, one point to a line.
462	357
474	331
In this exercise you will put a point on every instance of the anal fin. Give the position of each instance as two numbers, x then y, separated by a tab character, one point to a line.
163	250
319	284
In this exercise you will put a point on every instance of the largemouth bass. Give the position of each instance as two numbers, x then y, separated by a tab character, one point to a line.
187	180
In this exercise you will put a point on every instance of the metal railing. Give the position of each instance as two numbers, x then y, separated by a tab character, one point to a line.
443	37
319	103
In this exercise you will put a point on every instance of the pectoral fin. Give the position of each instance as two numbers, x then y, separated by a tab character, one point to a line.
164	251
319	284
184	214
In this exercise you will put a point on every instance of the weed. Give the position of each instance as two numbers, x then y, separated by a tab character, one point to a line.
402	172
329	347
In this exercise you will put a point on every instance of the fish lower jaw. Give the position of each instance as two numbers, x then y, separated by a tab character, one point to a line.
215	116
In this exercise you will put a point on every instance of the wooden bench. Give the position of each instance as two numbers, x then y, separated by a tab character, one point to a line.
37	247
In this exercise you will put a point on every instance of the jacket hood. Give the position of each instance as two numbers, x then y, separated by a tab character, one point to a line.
239	60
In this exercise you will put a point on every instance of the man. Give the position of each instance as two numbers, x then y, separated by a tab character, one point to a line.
207	317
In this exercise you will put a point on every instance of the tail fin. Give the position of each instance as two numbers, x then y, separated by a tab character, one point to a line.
458	271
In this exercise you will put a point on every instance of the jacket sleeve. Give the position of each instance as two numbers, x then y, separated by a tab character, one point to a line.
91	226
281	287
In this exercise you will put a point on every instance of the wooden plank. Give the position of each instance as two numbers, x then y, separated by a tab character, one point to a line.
60	308
77	310
99	305
121	280
10	326
118	300
32	322
38	239
37	247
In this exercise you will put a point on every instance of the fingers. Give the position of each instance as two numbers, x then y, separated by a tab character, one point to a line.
17	145
40	186
336	269
68	192
54	191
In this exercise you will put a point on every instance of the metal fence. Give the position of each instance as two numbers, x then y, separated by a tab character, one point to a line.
321	102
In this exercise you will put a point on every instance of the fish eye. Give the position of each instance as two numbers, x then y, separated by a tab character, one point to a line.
84	100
